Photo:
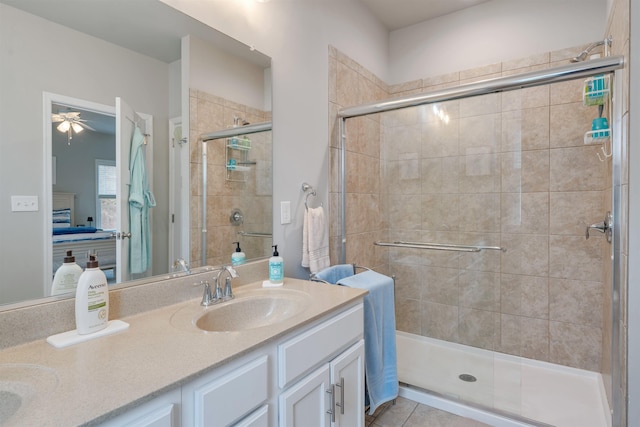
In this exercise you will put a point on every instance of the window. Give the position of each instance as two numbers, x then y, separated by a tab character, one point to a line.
106	210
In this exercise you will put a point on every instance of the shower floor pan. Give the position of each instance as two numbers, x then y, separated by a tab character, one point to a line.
542	392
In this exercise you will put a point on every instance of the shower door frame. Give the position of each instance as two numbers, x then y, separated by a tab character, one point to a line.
573	71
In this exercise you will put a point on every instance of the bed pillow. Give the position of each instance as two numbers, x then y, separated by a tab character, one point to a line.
62	216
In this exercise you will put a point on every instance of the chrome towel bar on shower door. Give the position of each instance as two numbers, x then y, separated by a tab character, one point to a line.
440	246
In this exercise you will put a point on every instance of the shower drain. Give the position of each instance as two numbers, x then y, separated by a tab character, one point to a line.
467	377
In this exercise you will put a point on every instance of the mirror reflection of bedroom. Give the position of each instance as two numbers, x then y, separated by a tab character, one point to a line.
84	188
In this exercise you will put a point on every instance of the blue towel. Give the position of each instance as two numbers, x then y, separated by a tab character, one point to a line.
381	368
335	273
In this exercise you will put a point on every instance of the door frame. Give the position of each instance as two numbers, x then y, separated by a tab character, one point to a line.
178	195
47	190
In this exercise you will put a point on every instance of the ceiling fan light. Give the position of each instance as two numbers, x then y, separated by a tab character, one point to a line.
64	126
76	127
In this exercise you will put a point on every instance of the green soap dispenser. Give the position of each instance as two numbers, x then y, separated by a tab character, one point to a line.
276	267
238	257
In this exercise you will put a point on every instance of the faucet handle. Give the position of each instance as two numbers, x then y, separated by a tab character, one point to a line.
207	296
232	271
228	292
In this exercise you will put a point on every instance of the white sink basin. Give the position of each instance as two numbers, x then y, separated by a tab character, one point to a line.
251	309
22	385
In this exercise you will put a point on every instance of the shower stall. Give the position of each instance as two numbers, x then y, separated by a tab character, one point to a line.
487	202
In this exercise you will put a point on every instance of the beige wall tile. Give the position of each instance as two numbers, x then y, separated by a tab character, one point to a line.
566	92
408	315
575	169
524	295
478	328
525	213
439	321
443	78
440	175
569	123
525	98
574	257
481	71
486	260
524	336
479	173
575	345
440	212
440	139
440	285
480	212
479	290
525	129
481	105
480	134
526	171
539	59
572	212
575	301
525	254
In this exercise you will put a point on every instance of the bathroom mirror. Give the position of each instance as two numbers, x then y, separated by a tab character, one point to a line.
94	51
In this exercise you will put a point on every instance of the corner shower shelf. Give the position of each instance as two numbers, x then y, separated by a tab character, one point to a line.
597	136
596	90
236	158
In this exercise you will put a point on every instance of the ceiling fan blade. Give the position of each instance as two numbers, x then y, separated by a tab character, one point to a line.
55	118
84	125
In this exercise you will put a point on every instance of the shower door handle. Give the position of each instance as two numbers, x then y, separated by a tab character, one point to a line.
605	227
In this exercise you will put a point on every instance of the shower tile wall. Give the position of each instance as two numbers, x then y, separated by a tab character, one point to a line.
209	113
506	170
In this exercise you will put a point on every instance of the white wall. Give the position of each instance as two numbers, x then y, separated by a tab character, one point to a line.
222	74
492	32
35	56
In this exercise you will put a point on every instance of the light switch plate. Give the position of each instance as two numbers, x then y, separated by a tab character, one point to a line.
24	203
285	212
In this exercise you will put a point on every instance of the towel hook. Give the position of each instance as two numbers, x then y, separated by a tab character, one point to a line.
309	191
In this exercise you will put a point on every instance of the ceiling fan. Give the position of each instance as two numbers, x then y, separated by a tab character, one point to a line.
70	122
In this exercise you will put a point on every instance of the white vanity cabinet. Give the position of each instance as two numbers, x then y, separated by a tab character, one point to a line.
162	411
333	393
227	395
312	376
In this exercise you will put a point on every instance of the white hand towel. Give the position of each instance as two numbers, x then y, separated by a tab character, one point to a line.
315	240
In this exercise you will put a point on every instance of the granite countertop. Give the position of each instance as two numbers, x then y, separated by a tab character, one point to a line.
89	382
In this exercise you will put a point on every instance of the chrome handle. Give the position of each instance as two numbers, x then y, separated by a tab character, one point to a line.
332	391
606	227
123	235
341	403
207	297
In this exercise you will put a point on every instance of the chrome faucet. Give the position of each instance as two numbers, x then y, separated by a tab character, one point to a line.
226	293
218	294
181	264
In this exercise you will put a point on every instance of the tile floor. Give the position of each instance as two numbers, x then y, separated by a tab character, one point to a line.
407	413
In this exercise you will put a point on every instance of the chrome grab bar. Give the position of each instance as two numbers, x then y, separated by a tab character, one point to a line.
256	234
440	246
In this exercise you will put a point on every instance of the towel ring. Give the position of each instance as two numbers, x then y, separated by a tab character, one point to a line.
309	191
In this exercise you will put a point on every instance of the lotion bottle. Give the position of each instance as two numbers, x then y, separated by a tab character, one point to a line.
67	275
238	257
276	267
92	299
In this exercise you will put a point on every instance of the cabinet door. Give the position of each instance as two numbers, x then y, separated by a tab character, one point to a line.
347	374
306	403
226	395
162	411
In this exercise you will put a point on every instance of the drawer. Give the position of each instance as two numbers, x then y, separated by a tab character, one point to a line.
304	352
232	396
259	418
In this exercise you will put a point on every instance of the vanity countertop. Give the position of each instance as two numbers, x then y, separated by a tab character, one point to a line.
101	378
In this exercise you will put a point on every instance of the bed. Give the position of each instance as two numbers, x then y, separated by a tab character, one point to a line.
81	240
